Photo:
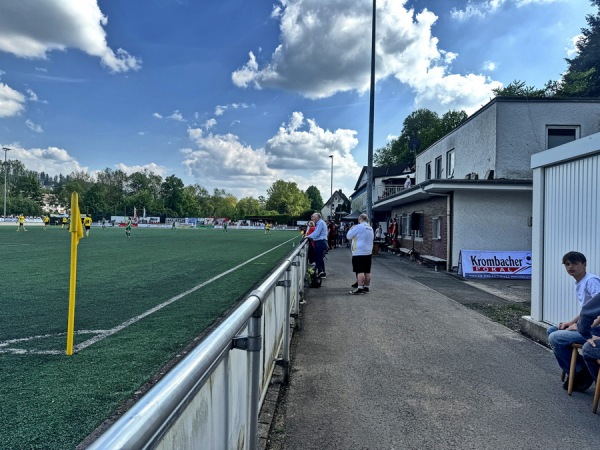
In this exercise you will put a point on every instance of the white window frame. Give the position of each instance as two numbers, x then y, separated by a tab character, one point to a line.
436	228
438	167
575	128
450	155
428	171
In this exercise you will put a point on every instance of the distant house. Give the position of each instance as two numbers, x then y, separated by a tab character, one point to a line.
474	186
336	206
387	181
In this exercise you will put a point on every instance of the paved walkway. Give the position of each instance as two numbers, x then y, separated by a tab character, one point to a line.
407	367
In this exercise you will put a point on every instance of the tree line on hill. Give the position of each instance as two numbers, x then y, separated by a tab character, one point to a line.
113	192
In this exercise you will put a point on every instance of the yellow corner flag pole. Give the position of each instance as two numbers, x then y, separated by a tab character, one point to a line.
76	230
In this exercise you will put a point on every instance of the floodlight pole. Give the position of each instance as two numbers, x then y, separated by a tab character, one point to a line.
371	120
331	189
5	150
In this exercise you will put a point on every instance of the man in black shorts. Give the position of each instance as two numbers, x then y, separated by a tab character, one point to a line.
361	236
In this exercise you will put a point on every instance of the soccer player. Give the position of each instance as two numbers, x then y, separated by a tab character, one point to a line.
268	227
103	223
65	222
225	225
128	228
46	220
87	223
21	225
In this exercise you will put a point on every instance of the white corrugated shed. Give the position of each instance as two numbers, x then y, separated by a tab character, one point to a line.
566	217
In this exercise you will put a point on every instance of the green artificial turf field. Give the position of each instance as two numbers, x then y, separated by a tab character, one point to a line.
50	400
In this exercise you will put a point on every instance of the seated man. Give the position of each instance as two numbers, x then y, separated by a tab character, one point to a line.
561	337
590	315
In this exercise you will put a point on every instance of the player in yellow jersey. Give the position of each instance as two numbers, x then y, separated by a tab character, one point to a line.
267	227
21	225
64	222
87	223
46	220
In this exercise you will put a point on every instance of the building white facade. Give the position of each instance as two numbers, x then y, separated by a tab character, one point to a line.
483	171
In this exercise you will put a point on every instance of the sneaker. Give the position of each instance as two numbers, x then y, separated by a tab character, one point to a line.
321	275
366	289
357	291
354	286
566	384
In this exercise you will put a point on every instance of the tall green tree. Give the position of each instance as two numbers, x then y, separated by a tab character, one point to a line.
314	195
248	206
518	88
172	193
426	126
286	198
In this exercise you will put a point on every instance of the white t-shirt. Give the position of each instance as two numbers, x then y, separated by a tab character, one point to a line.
587	287
362	239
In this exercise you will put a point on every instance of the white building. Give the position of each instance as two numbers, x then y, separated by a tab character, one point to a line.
336	206
474	185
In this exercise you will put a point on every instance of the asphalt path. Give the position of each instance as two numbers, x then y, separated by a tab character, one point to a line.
408	367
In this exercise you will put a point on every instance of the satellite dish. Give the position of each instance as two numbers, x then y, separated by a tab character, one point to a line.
414	143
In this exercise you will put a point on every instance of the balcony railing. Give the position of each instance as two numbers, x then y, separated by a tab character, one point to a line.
382	192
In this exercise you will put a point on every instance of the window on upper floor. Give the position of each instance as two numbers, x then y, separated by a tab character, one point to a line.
450	164
558	135
438	167
428	171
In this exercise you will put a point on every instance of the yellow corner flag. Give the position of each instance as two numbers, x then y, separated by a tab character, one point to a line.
76	230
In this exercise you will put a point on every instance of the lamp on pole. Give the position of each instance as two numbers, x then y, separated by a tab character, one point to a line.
5	150
331	189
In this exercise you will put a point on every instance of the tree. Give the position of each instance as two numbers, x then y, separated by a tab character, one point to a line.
314	195
518	88
248	206
582	78
423	124
172	193
286	198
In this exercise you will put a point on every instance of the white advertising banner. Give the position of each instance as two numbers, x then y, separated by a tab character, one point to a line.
490	264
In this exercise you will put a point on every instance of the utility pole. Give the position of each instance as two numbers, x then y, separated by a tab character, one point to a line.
5	150
371	121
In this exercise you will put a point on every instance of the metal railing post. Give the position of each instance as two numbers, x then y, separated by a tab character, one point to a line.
286	331
254	333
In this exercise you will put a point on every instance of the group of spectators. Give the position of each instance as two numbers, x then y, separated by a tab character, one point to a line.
324	236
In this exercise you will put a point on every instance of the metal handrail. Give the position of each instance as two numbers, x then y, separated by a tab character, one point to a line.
143	425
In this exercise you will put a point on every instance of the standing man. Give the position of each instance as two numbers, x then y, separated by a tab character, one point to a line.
46	220
21	225
319	238
407	183
128	228
561	337
362	247
104	223
87	223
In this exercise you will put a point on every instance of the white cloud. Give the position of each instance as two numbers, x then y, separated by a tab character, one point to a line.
177	116
221	109
32	29
12	103
33	126
157	115
489	66
325	49
572	47
484	8
150	167
298	152
51	160
210	123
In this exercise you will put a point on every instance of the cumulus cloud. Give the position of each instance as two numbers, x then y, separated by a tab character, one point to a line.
33	126
33	29
572	47
325	49
482	9
221	109
298	152
150	167
157	115
210	123
51	160
12	102
489	66
177	116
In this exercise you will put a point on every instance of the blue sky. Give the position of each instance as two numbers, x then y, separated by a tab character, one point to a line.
236	94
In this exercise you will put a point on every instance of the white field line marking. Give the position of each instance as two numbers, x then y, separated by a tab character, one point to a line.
101	334
135	319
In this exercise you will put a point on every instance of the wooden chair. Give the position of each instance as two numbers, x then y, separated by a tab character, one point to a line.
597	391
574	353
